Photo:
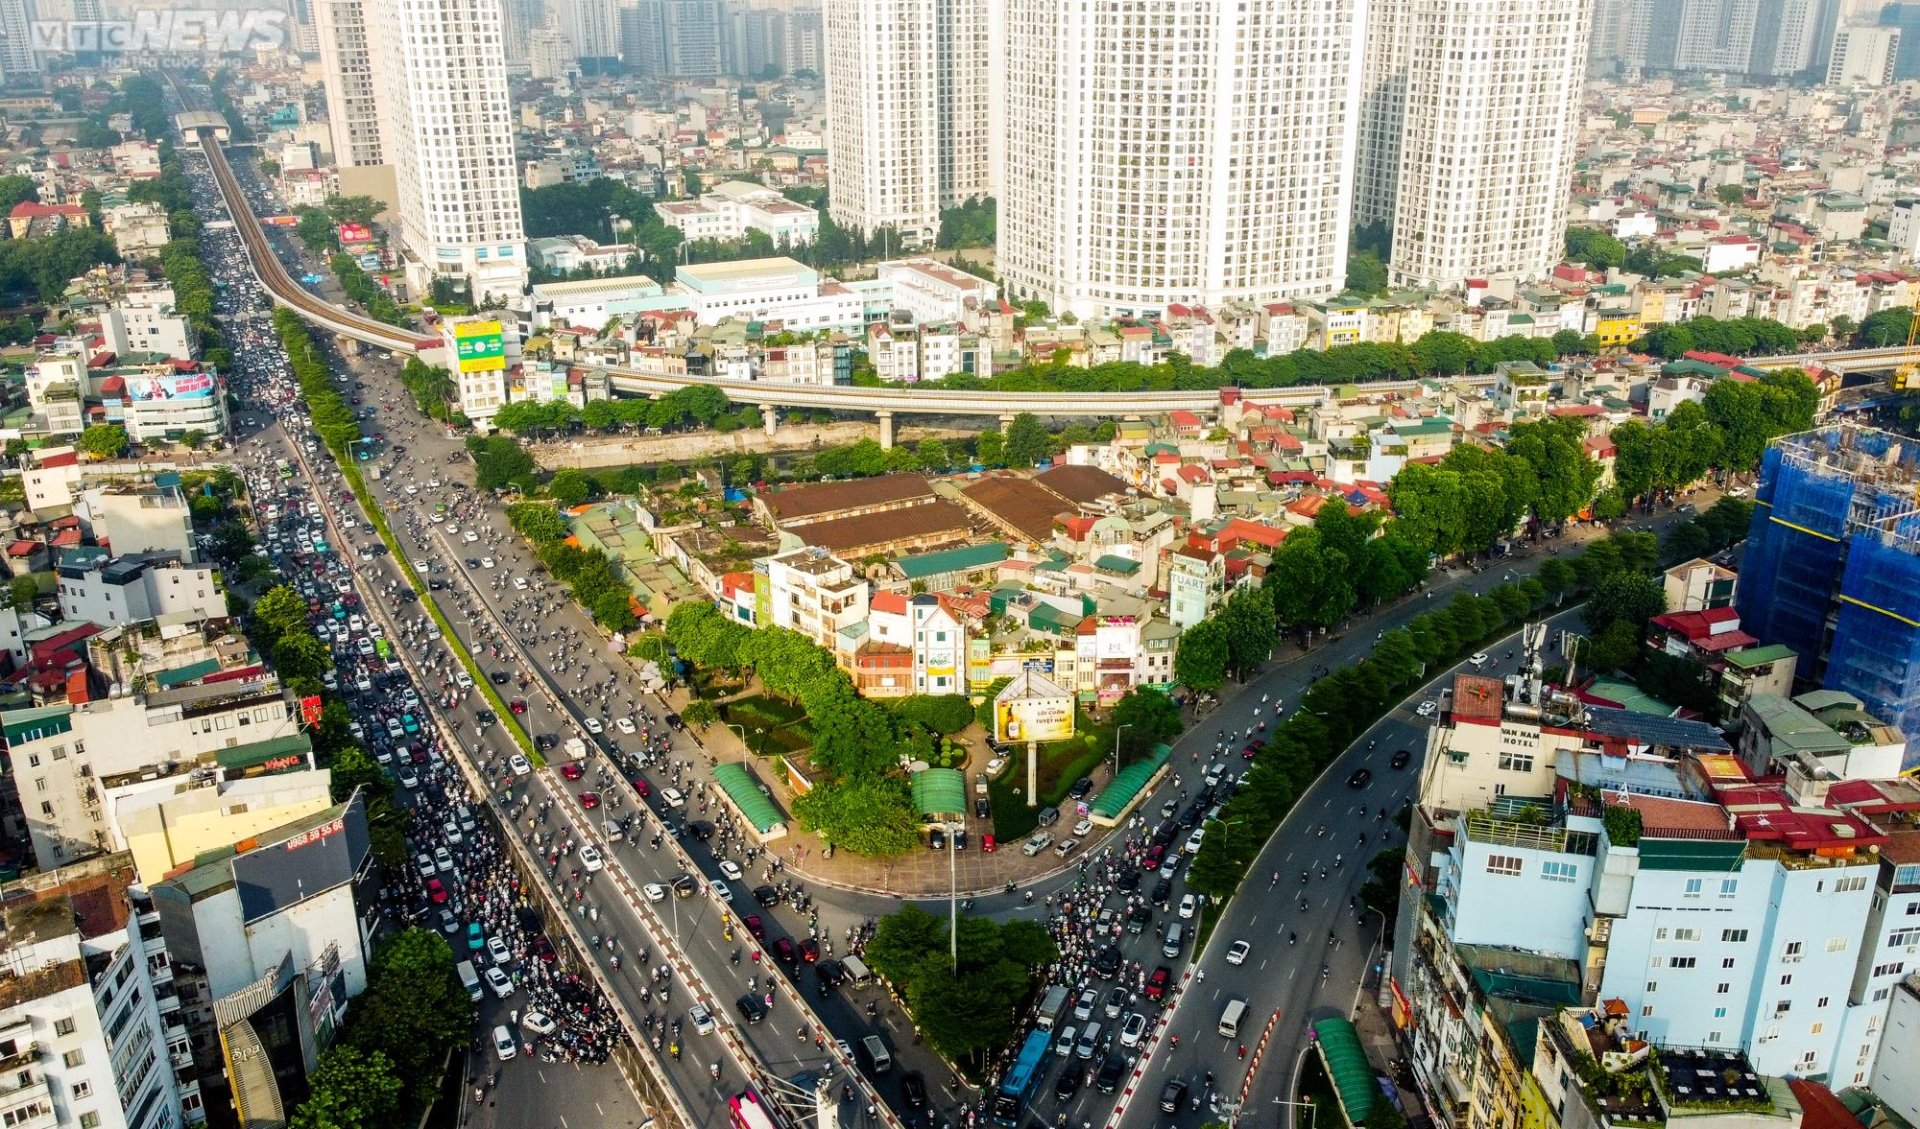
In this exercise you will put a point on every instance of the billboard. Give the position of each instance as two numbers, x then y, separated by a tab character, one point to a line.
351	233
370	261
170	386
1032	708
480	346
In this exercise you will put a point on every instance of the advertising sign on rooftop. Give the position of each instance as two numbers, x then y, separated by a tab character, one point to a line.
479	346
170	386
351	233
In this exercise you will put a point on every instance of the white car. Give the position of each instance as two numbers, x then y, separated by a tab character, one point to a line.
1083	829
1237	954
1193	841
470	537
1189	905
504	1044
520	765
594	727
730	868
624	724
722	891
497	949
1131	1031
701	1018
672	798
408	780
1427	709
654	891
1477	660
590	858
538	1022
442	859
486	562
500	982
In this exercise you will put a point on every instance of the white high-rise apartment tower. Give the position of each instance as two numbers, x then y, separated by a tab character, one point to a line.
1471	127
346	70
448	132
1177	151
911	117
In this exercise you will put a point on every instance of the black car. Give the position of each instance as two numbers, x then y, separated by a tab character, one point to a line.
1130	880
1081	788
1162	890
486	717
831	973
982	809
500	678
437	585
1108	1080
1401	759
1139	919
1069	1083
766	895
1172	1094
913	1090
1194	811
1106	963
936	840
750	1007
959	838
1163	834
1361	778
545	741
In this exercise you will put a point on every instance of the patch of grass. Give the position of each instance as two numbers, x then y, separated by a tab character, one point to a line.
1061	763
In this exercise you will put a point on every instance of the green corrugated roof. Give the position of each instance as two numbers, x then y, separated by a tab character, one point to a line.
1721	856
1111	562
1114	798
939	791
922	565
740	786
36	723
1046	617
1347	1064
193	672
1749	657
260	752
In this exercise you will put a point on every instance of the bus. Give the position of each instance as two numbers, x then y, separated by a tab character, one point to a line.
286	470
384	649
748	1111
1011	1099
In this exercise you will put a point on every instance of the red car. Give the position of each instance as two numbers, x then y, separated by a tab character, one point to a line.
755	926
436	891
543	949
987	844
783	950
641	786
518	705
810	950
1154	855
589	800
1251	751
572	771
1157	983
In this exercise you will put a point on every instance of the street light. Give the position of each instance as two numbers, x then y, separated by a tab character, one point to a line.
1313	1110
740	729
1122	728
953	896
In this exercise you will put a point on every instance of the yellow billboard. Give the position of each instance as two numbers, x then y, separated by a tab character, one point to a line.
479	346
1032	708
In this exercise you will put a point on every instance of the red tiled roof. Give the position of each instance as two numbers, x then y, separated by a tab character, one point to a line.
1477	698
23	548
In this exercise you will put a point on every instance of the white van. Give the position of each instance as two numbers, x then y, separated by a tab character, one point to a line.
857	972
1230	1018
470	980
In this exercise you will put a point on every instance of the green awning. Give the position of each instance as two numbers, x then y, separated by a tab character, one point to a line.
257	753
1112	562
1114	798
939	791
964	559
1346	1064
740	786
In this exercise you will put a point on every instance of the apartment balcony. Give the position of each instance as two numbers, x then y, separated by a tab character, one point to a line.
25	1055
1485	827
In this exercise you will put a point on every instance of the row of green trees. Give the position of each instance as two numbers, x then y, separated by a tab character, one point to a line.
432	389
1476	496
1339	707
334	421
589	573
859	801
697	405
387	1063
361	287
1730	428
1735	337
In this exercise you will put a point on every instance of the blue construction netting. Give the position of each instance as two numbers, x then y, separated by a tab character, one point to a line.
1876	637
1794	548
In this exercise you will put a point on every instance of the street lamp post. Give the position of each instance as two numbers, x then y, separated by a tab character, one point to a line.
1122	728
1312	1110
742	730
953	897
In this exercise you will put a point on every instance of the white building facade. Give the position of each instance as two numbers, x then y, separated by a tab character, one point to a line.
448	131
346	69
1198	153
1471	126
883	133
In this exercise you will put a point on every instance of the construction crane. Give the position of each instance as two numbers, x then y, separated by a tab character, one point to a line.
1906	378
